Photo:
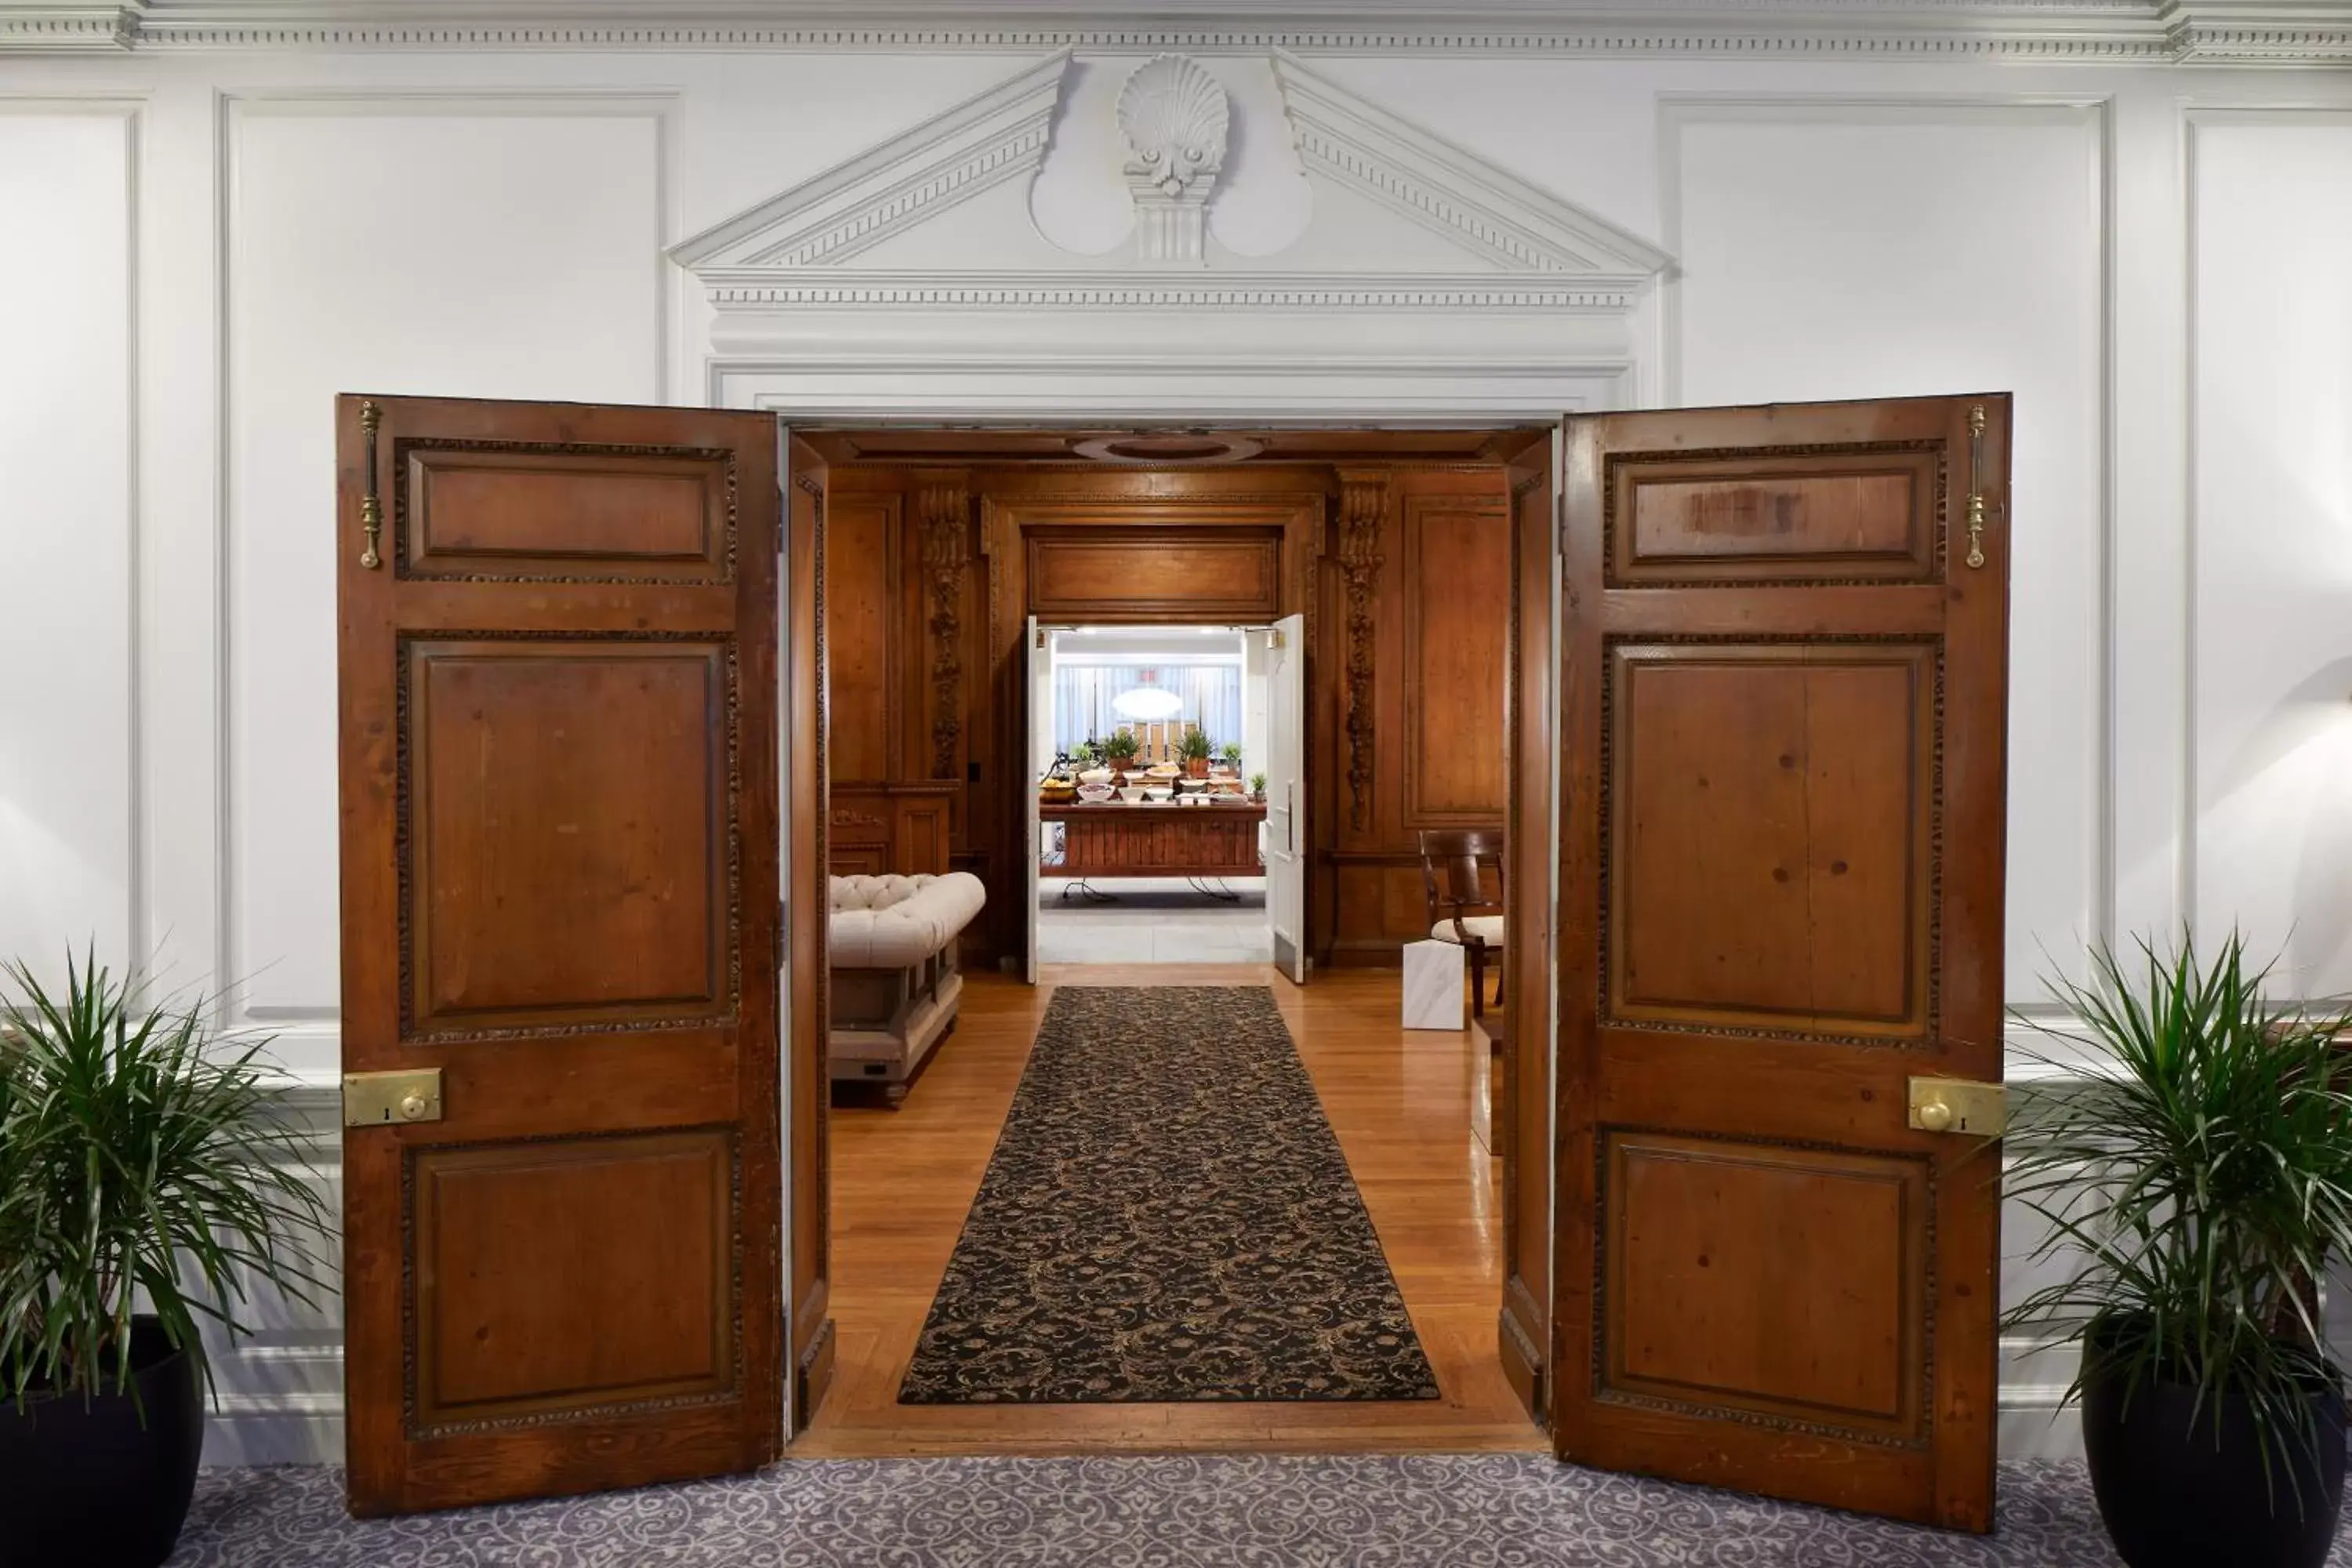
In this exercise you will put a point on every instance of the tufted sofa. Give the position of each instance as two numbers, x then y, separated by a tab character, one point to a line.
892	953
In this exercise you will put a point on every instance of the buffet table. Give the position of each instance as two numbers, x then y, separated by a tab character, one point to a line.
1136	838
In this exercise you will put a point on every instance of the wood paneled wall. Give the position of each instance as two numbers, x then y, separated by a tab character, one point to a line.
1423	579
1401	570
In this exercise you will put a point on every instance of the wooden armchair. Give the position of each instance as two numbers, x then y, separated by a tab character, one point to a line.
1465	902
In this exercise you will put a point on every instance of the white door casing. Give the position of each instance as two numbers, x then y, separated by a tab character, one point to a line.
1285	795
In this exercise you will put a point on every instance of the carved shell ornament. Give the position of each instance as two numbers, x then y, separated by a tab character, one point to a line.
1174	116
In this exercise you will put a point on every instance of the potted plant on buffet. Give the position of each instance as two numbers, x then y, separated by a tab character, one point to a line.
2195	1179
1231	753
146	1185
1195	748
1258	788
1119	751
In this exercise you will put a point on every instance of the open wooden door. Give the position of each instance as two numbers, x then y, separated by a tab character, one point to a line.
561	1175
1785	635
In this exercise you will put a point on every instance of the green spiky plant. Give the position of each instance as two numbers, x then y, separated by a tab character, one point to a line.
2193	1189
1231	753
1194	746
143	1169
1120	749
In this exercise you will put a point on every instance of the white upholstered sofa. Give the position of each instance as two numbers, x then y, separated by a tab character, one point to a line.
894	977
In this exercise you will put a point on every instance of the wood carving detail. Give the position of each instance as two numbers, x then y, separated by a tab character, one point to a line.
1363	502
942	510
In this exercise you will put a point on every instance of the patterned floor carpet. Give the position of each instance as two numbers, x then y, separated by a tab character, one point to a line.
1166	1218
1213	1511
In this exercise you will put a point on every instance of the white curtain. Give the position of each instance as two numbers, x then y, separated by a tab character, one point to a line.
1083	693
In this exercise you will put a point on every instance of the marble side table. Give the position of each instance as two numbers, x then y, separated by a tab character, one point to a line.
1433	985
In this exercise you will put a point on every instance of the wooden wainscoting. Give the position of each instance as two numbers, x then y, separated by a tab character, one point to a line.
891	828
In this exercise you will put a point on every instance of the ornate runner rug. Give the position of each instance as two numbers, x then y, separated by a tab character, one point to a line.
1167	1216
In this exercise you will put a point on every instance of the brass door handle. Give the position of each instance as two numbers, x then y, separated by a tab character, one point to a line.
376	1099
1958	1105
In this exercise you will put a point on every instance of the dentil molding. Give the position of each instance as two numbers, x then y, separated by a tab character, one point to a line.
2145	32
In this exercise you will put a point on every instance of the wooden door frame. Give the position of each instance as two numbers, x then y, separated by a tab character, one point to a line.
1533	611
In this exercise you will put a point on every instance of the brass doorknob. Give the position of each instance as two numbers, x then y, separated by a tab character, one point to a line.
1935	1115
414	1106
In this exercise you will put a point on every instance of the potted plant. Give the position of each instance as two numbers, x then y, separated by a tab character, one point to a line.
1196	749
146	1185
1231	753
2194	1184
1257	787
1119	750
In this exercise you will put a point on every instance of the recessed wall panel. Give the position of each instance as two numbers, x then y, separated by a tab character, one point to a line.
495	247
2272	552
1881	250
66	533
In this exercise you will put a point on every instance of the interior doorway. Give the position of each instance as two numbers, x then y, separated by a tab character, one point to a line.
1173	721
1227	583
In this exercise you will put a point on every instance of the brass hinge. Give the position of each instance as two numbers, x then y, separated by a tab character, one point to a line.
1958	1105
378	1099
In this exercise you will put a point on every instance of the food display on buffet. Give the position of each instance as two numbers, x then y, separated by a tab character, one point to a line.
1114	809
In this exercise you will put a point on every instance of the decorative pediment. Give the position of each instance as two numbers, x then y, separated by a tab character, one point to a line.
915	177
1370	210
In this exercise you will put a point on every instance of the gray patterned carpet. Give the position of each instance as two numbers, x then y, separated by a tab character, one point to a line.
1213	1512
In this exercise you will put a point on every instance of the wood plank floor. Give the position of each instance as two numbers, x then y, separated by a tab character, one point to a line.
1400	1102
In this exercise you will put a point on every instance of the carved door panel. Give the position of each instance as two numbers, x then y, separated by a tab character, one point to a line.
558	780
1785	636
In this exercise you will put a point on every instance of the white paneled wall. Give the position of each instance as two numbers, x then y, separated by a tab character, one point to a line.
68	531
2270	199
498	246
1846	249
198	250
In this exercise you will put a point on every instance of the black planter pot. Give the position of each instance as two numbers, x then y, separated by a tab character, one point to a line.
2174	1495
87	1482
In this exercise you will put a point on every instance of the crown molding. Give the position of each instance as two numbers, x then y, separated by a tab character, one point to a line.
2138	32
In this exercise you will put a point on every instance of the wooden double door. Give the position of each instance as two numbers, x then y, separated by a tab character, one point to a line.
1758	700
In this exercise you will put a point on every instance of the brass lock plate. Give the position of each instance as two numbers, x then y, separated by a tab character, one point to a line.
389	1099
1958	1105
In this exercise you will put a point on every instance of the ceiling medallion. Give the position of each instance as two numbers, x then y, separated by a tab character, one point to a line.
1170	448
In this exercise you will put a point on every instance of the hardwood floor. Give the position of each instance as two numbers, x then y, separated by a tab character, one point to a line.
1400	1102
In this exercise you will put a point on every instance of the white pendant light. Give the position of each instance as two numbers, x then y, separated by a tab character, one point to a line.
1147	701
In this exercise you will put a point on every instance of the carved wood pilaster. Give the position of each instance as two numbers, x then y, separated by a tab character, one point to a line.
1363	502
943	513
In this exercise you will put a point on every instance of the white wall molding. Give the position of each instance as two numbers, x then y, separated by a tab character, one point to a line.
2139	32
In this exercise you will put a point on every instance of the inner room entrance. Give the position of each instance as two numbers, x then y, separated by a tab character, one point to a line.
1150	747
